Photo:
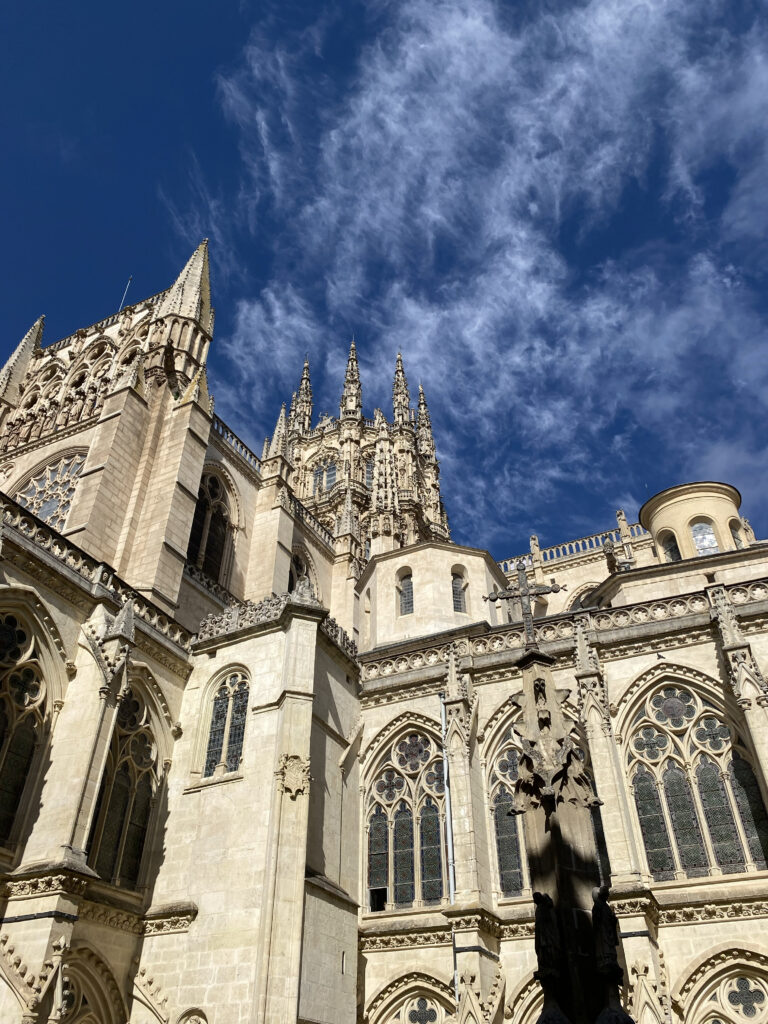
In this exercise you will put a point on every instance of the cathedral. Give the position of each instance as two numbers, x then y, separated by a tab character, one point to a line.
275	750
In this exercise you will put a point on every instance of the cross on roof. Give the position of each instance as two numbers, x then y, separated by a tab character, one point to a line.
523	593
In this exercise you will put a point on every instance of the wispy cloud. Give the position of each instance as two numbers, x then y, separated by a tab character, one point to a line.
522	201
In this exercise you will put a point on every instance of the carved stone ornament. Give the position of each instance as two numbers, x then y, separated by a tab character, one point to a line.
293	775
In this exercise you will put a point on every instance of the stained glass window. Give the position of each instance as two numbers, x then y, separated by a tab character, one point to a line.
317	480
505	822
704	538
330	476
405	823
48	495
669	546
369	473
124	804
708	765
406	595
210	538
227	729
403	856
652	826
751	808
507	844
457	589
22	706
719	818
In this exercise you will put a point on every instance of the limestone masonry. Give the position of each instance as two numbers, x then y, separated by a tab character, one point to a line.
268	753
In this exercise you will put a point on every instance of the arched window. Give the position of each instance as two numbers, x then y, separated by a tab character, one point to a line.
210	539
704	539
227	729
49	493
504	774
669	547
406	852
405	592
22	699
317	479
697	799
126	797
369	473
330	476
458	591
736	535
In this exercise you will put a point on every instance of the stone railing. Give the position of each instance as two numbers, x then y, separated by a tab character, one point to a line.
559	628
229	437
334	632
592	544
89	569
210	586
241	616
292	504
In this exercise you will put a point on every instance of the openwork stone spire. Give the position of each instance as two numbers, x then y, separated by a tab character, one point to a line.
352	395
190	294
424	438
279	445
401	399
15	369
303	416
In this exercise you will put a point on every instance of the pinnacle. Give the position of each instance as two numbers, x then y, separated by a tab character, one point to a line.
14	370
190	294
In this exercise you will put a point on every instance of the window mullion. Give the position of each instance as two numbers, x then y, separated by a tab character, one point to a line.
124	831
99	831
679	869
693	781
390	860
225	741
204	535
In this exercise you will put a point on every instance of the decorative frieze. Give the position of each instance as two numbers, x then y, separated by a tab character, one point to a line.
337	635
241	616
111	917
46	885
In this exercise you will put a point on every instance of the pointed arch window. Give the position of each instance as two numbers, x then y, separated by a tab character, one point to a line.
405	592
49	493
126	797
210	542
704	539
669	547
698	802
330	476
504	775
226	733
369	473
406	825
458	591
22	708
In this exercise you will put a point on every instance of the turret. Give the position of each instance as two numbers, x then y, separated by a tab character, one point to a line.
352	395
303	414
401	399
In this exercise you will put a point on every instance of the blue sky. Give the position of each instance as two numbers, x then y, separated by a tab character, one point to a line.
557	211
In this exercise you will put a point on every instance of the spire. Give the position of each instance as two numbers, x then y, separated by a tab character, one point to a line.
304	402
424	439
401	399
352	395
15	370
278	444
292	414
190	294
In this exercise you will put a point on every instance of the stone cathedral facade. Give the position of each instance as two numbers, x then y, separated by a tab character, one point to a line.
261	733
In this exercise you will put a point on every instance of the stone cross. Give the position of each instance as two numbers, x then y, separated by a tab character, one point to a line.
523	592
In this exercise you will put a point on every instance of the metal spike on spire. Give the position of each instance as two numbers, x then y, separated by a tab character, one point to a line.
352	395
401	399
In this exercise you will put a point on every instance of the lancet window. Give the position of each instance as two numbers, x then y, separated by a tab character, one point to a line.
22	705
704	538
49	493
226	733
126	797
405	593
210	541
506	824
323	477
406	825
669	546
698	800
458	591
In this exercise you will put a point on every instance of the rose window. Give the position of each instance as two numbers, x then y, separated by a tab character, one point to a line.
49	494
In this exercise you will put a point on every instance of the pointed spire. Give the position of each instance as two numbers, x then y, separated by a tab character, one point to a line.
190	295
401	399
352	395
265	450
197	390
15	370
292	414
278	445
424	438
304	402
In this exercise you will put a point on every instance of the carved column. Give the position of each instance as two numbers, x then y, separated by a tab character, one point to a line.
607	768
